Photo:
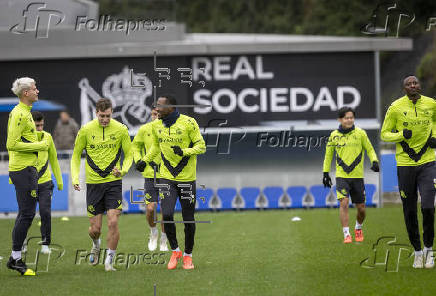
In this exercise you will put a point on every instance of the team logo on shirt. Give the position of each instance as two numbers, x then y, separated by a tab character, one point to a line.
112	137
405	123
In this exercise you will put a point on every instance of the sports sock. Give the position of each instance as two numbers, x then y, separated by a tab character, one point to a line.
358	226
346	231
185	254
176	250
153	230
418	253
163	236
110	255
96	242
427	250
16	255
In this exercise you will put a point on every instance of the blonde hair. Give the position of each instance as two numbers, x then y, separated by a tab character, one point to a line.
21	84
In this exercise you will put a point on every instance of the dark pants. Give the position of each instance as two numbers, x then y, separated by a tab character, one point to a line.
26	186
45	192
186	192
410	180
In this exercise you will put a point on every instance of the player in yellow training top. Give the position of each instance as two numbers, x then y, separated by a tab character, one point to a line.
141	145
348	143
45	184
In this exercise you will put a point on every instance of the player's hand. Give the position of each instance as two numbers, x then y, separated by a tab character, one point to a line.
60	187
140	166
375	167
407	134
432	142
116	172
177	150
326	180
76	187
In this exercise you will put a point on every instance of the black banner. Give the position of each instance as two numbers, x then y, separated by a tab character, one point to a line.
247	90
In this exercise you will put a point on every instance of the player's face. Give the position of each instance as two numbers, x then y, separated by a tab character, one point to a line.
32	93
104	117
347	121
39	125
161	110
154	114
412	86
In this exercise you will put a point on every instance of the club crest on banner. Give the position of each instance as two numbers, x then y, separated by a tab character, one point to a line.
131	105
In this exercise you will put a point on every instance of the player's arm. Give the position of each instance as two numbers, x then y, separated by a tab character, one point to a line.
196	138
366	143
54	163
137	146
329	151
14	143
389	125
155	148
369	148
128	153
434	119
79	145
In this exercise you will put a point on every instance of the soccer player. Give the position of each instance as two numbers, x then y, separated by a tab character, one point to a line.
45	184
23	147
177	137
143	140
348	143
410	122
103	140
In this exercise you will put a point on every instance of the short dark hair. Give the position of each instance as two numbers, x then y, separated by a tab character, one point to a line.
345	110
170	99
37	116
407	76
103	104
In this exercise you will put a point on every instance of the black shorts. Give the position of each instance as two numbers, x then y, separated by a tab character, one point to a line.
104	196
414	178
354	187
151	192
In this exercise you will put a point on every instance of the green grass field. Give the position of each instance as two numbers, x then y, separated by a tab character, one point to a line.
245	253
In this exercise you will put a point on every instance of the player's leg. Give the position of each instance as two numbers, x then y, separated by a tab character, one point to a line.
26	184
113	236
163	237
113	205
343	193
95	210
426	178
151	195
409	197
187	201
357	194
167	203
45	192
